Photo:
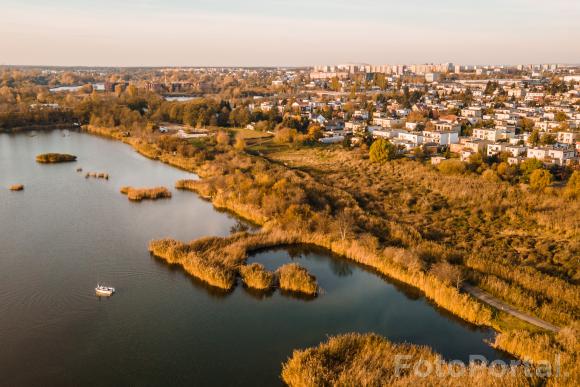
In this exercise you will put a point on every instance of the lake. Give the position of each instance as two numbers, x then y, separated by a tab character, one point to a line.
64	233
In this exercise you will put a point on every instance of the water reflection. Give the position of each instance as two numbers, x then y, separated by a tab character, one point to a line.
258	294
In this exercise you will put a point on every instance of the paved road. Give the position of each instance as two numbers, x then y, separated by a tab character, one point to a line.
496	303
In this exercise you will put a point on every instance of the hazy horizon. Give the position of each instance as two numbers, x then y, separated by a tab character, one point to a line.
280	33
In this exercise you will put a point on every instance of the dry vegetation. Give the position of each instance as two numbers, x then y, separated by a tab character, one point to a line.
406	220
49	158
562	349
520	246
217	260
257	277
98	175
138	194
295	278
370	360
16	187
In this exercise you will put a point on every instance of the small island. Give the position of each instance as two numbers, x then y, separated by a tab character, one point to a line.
51	158
17	187
99	175
295	278
255	276
138	194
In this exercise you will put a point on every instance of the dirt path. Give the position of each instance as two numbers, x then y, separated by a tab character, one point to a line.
496	303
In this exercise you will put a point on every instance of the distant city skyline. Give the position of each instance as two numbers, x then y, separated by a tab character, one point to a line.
288	33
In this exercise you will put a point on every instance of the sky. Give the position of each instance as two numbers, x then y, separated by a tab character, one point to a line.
287	32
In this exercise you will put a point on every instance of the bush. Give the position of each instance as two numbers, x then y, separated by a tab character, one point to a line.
540	179
452	167
490	175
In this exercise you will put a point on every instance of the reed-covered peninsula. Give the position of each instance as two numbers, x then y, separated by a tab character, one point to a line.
371	360
139	194
219	260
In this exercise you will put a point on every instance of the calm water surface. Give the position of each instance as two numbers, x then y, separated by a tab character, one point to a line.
64	233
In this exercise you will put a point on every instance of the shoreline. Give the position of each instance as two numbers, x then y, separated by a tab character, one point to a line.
459	304
520	342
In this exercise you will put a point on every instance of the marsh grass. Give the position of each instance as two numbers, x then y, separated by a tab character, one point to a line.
295	278
371	360
49	158
217	260
138	194
257	277
97	175
16	187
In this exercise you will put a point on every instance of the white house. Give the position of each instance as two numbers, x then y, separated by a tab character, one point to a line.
443	126
494	149
387	122
441	137
414	138
537	153
561	156
567	137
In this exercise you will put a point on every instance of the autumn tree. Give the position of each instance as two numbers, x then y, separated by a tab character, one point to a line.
344	224
334	84
448	273
548	139
527	124
315	131
240	144
560	116
416	116
382	151
534	138
529	166
540	179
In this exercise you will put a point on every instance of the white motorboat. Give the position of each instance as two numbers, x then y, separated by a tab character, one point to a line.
105	291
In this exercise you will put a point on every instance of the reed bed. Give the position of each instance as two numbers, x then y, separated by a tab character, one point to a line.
257	277
561	350
371	360
97	175
138	194
217	260
50	158
16	187
196	261
295	278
